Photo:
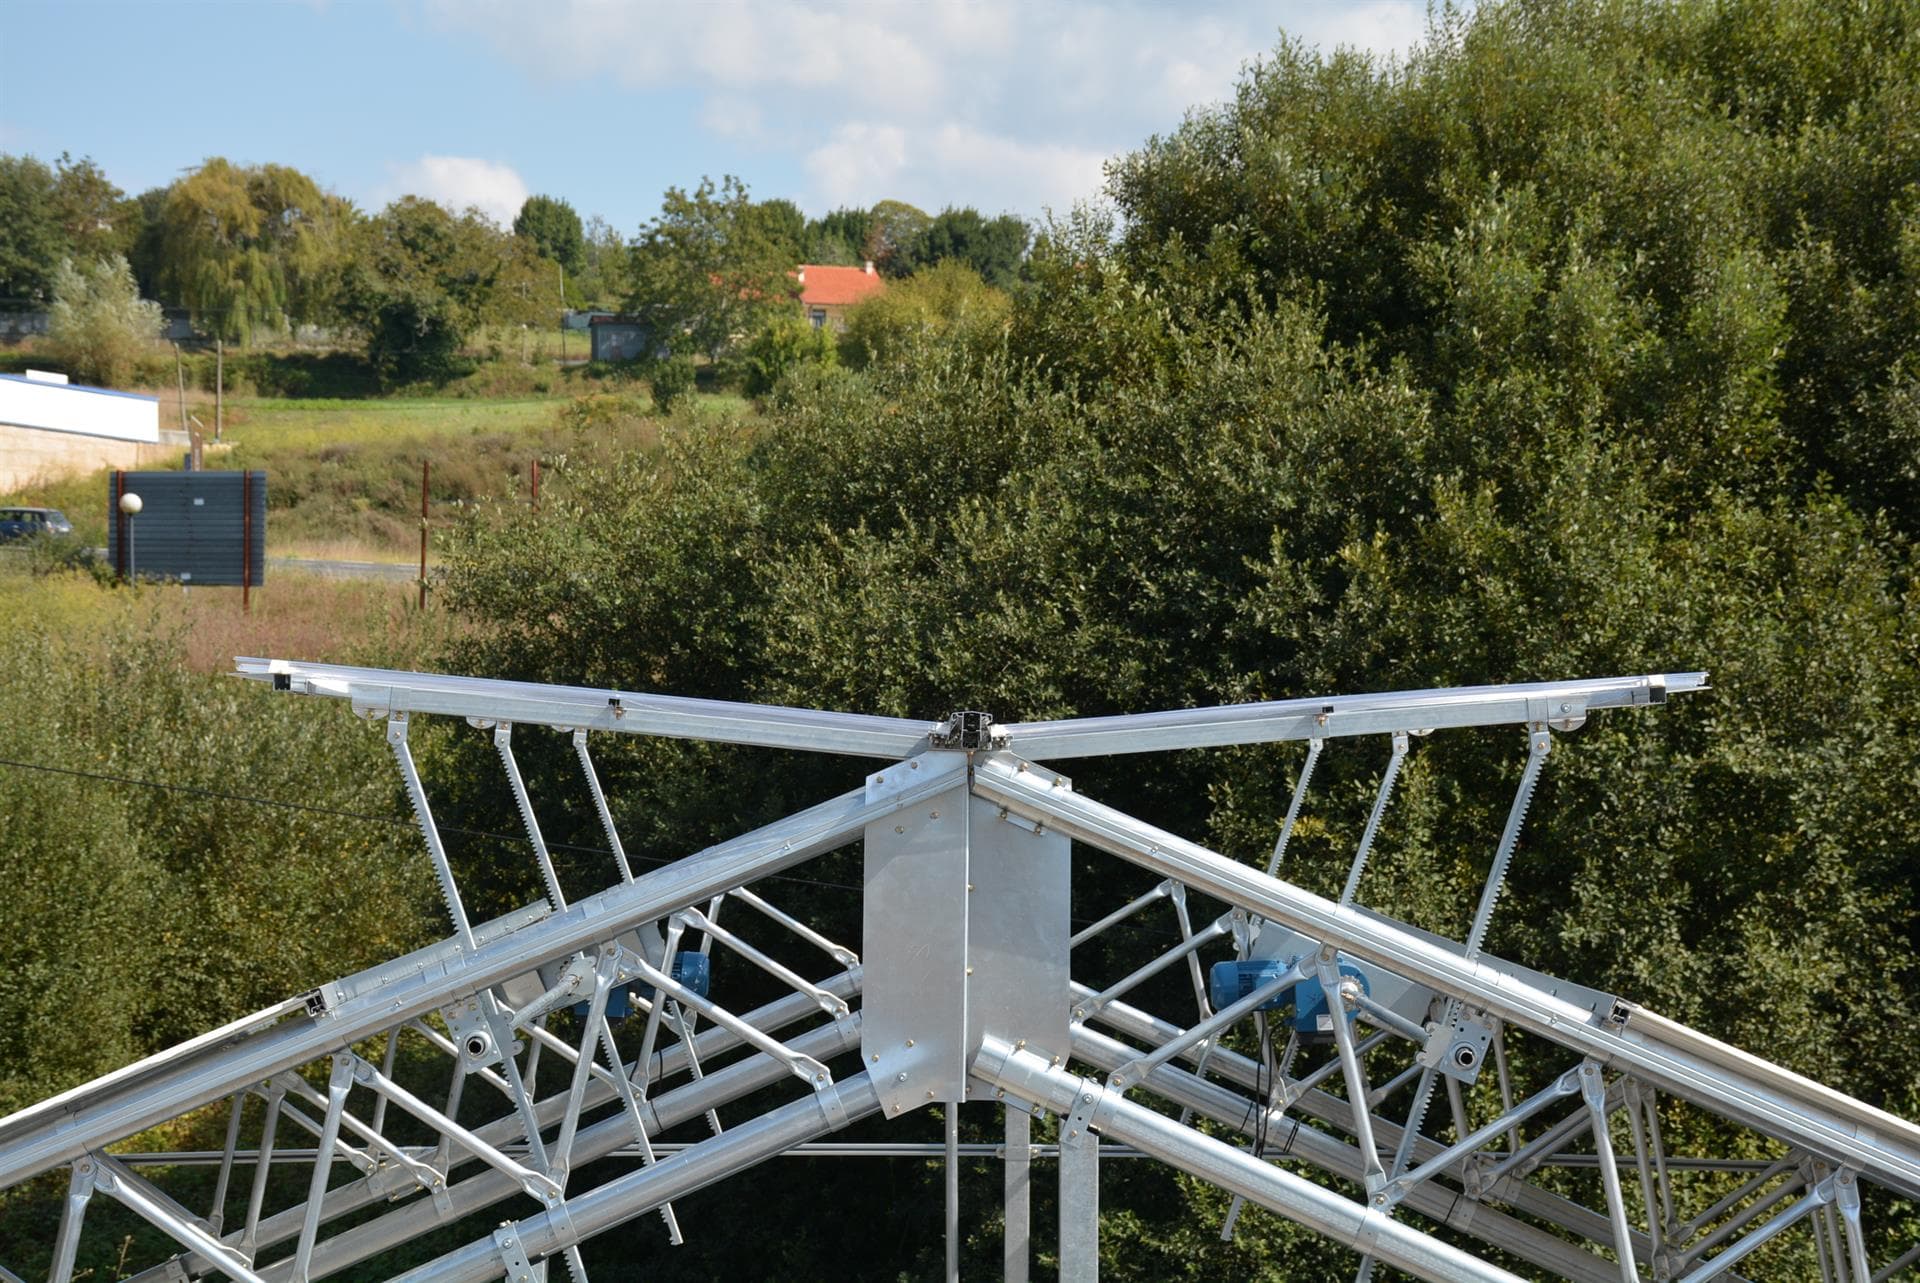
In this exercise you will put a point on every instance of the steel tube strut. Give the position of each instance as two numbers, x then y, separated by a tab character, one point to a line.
1033	1078
626	1197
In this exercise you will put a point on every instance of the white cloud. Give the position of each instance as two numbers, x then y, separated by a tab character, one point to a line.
1022	98
949	164
1380	27
731	116
458	182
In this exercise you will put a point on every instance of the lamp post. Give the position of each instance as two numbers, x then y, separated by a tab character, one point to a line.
130	505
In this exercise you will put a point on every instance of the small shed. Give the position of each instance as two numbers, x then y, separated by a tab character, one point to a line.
622	337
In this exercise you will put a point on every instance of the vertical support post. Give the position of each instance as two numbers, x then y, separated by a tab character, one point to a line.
1594	1091
1019	1185
219	387
180	376
425	468
953	1192
1079	1204
534	469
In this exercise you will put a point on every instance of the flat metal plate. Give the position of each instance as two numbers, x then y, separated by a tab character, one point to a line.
1018	928
914	940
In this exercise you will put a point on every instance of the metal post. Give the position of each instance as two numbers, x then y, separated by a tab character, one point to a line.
425	467
953	1193
1079	1204
1019	1184
180	377
219	386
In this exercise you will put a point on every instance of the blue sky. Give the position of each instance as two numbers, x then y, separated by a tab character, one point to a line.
994	103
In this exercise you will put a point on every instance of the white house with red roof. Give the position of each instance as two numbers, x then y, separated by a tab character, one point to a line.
827	292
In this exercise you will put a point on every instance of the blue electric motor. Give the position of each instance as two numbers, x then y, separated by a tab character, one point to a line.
1229	982
694	970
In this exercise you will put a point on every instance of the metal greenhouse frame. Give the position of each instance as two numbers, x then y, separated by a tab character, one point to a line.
1419	1100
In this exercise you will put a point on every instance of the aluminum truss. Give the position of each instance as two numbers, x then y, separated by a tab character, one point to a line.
343	1127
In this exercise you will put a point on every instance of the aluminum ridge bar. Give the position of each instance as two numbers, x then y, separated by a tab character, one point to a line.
1336	715
1889	1152
389	691
90	1123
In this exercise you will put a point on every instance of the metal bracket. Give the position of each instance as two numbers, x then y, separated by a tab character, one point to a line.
970	730
475	1035
1086	1106
1458	1047
513	1254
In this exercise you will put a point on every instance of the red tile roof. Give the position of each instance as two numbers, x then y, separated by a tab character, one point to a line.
830	286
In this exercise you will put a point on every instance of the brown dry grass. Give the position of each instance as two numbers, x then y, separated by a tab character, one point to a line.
294	616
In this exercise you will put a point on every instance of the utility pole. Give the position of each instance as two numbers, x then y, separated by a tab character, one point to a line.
425	466
180	378
563	311
219	386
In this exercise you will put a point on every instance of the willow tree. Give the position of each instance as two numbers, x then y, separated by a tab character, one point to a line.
247	247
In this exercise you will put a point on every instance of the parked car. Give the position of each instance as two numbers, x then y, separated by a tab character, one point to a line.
25	523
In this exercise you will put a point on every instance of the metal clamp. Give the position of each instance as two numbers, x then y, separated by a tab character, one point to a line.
513	1254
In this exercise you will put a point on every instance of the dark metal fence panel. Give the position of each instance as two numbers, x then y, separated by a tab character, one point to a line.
197	527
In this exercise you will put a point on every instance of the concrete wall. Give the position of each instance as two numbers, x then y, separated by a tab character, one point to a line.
30	455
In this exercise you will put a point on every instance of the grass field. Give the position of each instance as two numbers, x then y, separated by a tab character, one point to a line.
343	476
326	620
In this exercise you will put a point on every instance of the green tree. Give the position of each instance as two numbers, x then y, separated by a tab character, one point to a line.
705	270
603	281
946	305
992	247
782	223
31	240
250	248
96	220
418	282
839	238
785	344
892	226
99	325
553	228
